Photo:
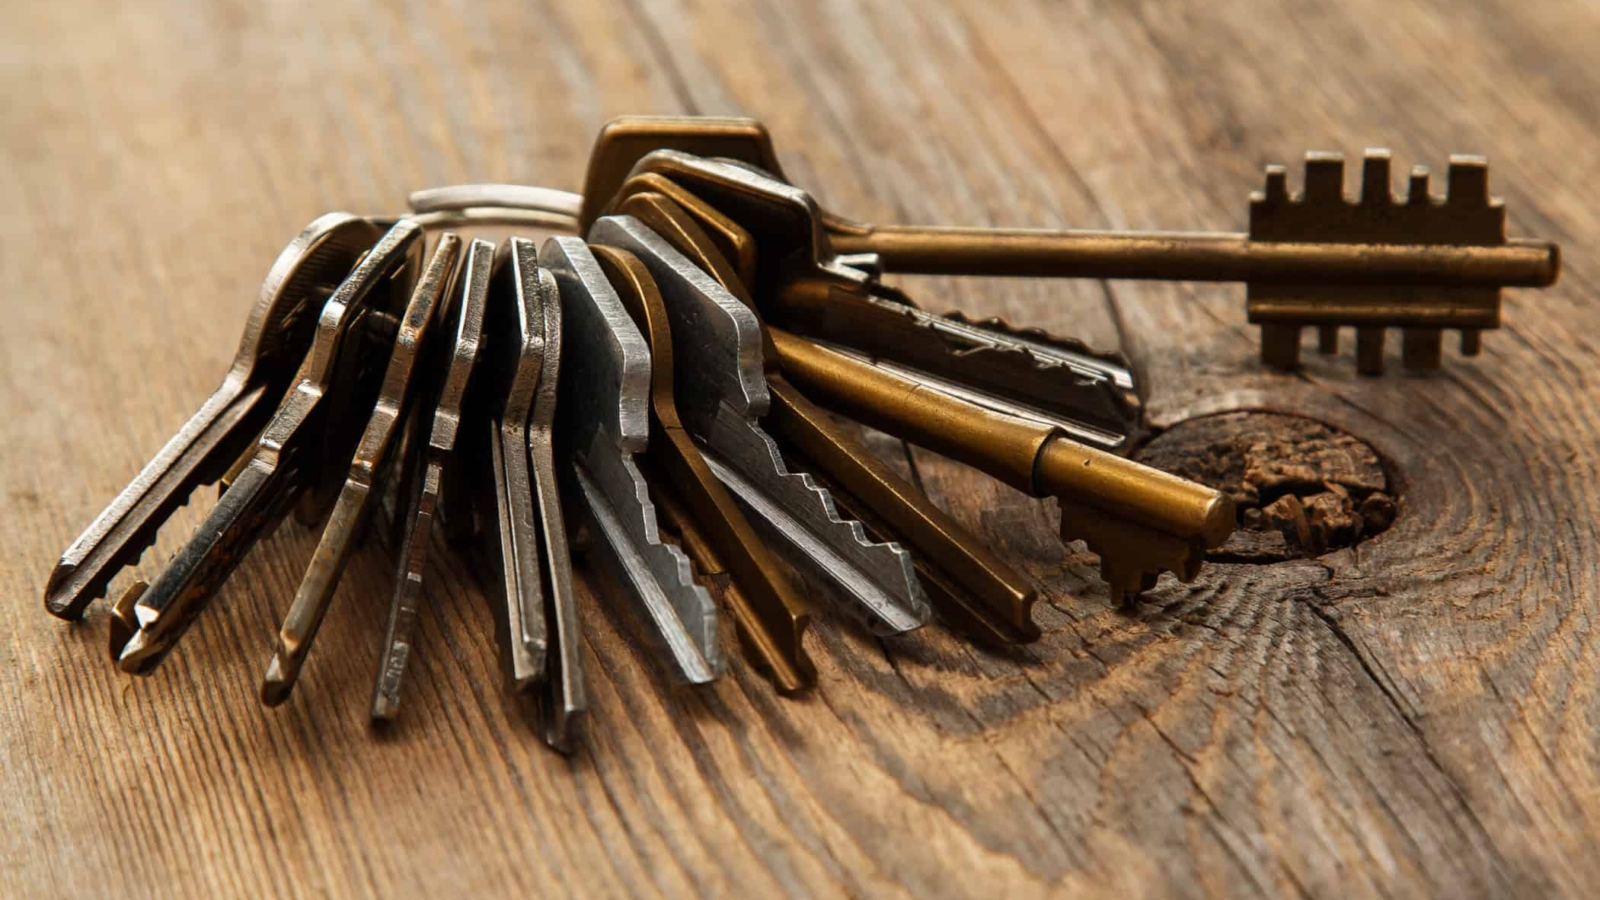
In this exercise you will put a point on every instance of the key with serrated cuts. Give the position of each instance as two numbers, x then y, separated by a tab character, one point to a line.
800	285
276	336
974	590
435	436
350	336
1140	521
723	393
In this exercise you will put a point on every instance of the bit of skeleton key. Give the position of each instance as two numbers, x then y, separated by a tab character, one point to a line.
998	605
801	285
770	615
284	464
453	368
723	391
368	471
1422	264
605	417
1139	520
275	338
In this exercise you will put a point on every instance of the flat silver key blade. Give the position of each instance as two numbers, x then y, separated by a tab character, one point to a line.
721	393
605	410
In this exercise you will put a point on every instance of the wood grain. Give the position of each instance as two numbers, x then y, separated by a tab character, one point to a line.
1415	717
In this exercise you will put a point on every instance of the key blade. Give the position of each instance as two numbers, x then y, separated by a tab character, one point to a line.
770	615
722	390
605	413
365	478
275	338
453	367
283	467
564	701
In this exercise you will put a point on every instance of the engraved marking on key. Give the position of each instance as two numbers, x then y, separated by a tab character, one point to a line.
275	338
282	466
605	415
366	476
722	391
421	504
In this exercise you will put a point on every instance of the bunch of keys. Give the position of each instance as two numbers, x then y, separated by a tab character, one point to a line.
667	386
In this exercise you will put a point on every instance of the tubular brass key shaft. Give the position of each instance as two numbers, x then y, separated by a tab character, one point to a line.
1138	519
1197	256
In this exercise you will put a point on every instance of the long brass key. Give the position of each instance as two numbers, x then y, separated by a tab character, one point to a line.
1000	599
434	453
1419	262
275	339
284	462
1138	519
368	471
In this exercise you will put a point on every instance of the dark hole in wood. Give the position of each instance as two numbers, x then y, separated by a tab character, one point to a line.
1303	487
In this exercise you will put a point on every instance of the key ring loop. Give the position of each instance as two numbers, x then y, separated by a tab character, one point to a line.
495	204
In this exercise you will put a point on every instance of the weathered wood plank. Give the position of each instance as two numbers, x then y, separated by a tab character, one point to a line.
1413	717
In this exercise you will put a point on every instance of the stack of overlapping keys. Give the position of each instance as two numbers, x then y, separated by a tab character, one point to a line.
666	386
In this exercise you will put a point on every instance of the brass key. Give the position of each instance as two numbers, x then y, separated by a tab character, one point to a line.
1000	600
1138	519
1419	262
366	477
285	461
275	339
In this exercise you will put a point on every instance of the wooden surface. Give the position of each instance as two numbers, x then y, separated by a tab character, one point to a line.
1416	718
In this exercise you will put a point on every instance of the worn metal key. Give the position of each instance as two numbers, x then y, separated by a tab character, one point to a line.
722	392
366	478
284	462
769	613
1419	262
802	286
275	339
606	420
434	451
974	589
511	471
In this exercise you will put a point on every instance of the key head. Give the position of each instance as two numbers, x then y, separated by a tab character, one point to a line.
626	140
1466	217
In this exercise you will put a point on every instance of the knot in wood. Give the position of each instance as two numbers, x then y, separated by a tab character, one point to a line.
1303	488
